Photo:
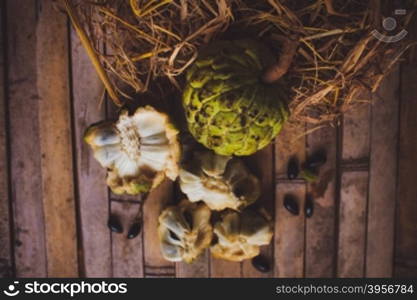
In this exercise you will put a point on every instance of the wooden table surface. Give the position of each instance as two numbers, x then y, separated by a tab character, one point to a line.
54	203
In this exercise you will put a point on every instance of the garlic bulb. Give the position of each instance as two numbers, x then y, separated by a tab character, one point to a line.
138	150
240	235
219	181
185	231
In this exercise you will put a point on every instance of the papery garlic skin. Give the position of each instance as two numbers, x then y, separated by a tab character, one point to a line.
138	150
219	181
184	238
240	235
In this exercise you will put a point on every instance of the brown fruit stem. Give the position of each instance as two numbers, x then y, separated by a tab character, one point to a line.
91	53
279	69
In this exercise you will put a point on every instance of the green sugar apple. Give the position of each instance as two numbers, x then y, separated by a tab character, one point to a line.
229	108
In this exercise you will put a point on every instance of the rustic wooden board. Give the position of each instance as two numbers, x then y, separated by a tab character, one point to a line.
220	268
289	230
382	179
320	228
406	225
261	164
288	145
155	264
45	195
127	253
198	269
5	232
56	144
92	190
354	191
25	162
356	135
355	157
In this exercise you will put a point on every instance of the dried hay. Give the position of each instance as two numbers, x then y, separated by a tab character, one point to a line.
331	55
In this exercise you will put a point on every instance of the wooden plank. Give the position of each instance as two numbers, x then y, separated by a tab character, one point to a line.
261	164
155	264
220	268
127	253
355	148
406	225
320	228
56	145
354	190
289	229
291	142
356	133
198	269
23	97
125	198
289	233
5	250
382	179
92	190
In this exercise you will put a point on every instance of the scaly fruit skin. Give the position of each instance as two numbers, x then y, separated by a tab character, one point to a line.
228	107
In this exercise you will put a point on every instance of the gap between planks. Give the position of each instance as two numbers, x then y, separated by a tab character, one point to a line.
289	237
405	263
25	161
7	268
93	204
55	141
353	194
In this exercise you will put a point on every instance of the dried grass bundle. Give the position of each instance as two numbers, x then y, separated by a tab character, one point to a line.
327	48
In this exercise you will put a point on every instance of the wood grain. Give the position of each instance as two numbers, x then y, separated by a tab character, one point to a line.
158	199
261	164
93	200
220	268
50	178
382	179
56	144
289	230
198	269
406	224
25	164
356	133
352	226
287	145
354	192
127	253
5	232
320	228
